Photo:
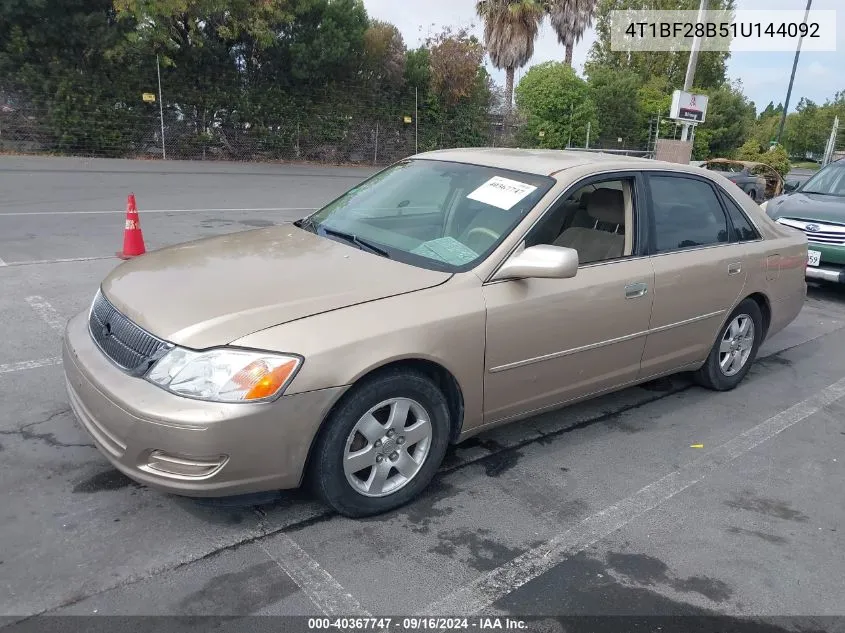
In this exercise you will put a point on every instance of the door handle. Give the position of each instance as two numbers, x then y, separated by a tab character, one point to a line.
632	291
735	268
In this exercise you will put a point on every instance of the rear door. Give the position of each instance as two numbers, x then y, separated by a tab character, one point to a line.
699	270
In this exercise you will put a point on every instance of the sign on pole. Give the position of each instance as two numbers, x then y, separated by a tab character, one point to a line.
148	97
688	107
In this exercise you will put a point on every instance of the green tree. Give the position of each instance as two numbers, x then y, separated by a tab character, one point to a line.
750	151
765	129
325	42
808	128
730	119
61	70
618	107
418	68
556	103
778	158
710	72
775	156
771	111
701	144
654	96
510	29
569	19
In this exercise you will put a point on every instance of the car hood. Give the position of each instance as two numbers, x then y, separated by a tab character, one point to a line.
216	290
807	206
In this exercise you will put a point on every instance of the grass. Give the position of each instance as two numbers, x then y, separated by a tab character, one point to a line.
806	165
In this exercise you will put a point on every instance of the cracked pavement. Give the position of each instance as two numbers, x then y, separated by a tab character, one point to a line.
759	535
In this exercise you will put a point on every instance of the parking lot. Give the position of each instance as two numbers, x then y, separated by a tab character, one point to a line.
602	508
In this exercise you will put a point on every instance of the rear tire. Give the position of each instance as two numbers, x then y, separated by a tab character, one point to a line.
382	444
734	350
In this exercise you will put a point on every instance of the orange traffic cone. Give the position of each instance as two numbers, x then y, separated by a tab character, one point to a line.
133	238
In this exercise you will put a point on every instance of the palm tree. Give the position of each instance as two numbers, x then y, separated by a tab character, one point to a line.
569	19
510	28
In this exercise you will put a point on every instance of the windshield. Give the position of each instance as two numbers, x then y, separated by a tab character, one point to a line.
829	181
433	214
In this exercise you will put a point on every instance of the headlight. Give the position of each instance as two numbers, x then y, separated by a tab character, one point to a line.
224	375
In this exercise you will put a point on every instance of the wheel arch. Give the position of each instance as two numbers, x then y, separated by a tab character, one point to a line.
437	372
765	306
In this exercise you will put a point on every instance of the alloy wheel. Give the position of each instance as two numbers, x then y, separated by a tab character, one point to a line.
737	343
387	447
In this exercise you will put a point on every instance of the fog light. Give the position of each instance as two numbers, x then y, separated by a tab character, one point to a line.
159	462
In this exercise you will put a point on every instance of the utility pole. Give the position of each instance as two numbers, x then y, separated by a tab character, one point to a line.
375	150
416	120
161	109
693	62
792	77
587	145
657	131
831	143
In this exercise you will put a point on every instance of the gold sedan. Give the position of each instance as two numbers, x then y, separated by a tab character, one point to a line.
450	293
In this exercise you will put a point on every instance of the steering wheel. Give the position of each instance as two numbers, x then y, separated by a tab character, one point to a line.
482	230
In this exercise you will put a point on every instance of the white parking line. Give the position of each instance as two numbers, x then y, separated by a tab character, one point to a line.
47	312
322	589
145	211
496	584
29	364
33	262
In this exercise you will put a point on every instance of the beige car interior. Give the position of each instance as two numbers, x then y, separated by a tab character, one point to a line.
596	221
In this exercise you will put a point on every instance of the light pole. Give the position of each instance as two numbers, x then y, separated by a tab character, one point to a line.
693	62
161	109
792	78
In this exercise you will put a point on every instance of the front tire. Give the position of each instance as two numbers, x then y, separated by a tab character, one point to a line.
734	350
382	444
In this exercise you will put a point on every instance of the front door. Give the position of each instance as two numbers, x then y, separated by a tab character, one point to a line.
550	341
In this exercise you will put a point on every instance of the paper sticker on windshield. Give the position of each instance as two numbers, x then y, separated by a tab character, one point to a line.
502	192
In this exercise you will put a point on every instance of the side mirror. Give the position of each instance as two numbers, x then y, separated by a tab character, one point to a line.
540	262
791	185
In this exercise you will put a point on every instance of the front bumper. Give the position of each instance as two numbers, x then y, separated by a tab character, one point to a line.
824	273
832	264
184	446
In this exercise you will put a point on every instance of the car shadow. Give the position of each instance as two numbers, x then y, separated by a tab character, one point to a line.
835	293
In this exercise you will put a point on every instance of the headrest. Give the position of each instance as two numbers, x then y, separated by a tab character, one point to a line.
607	205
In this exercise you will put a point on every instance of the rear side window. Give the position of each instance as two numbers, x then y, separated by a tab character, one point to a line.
687	214
743	230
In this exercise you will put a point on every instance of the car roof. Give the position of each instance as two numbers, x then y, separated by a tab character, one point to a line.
546	162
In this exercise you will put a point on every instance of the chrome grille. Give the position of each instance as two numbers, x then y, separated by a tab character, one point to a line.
127	345
818	232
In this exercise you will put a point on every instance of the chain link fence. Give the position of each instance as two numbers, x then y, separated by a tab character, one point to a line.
322	131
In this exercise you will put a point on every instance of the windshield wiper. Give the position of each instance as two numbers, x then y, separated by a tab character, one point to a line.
354	239
306	224
825	193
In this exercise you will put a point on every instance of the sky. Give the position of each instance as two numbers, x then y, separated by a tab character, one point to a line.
764	76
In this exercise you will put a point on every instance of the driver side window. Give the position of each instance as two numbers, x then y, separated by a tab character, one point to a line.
596	220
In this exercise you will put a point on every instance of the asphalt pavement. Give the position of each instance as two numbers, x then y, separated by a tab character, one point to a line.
800	174
602	508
